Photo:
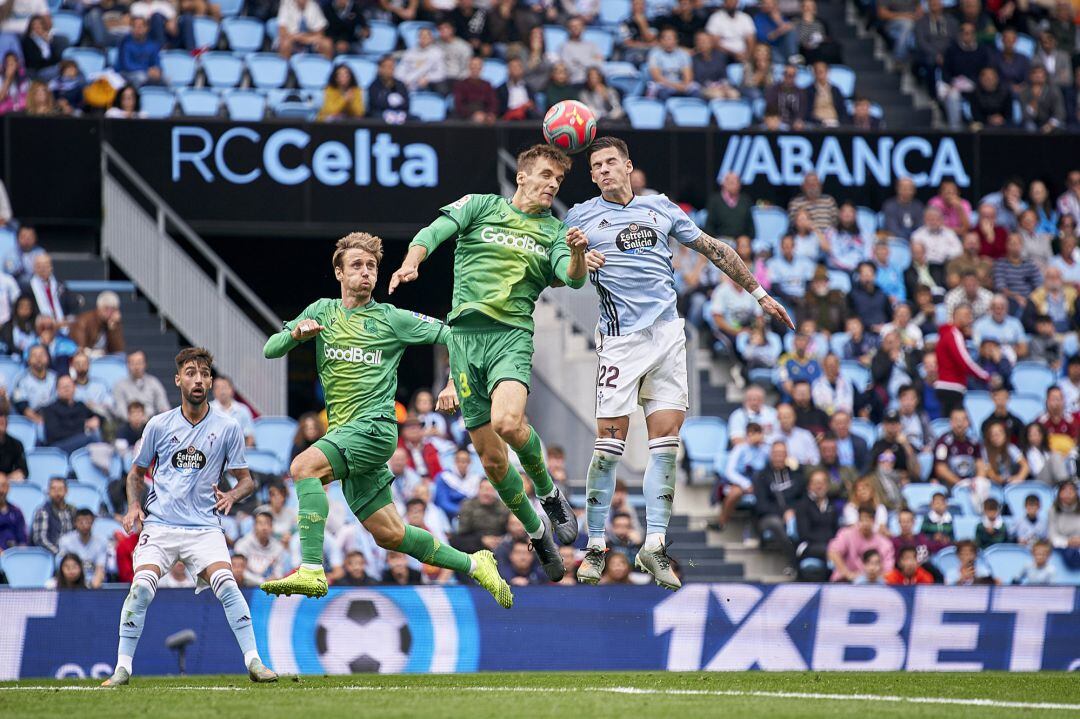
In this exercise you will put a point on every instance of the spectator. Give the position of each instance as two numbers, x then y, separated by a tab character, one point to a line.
283	519
1014	276
901	212
1062	428
926	311
423	455
851	448
264	554
940	242
733	29
758	75
54	519
1013	425
346	25
69	574
1040	203
813	33
954	208
1039	571
61	348
51	295
809	240
12	455
816	522
622	534
41	52
538	61
1064	523
862	117
1041	103
474	98
745	459
777	491
844	244
992	529
578	54
617	570
991	102
176	578
406	479
1056	62
482	520
1037	247
456	484
355	571
125	106
302	27
138	55
710	69
1012	66
789	272
637	32
899	18
670	68
920	273
1001	327
935	32
963	61
730	311
1068	203
895	440
686	20
101	329
225	402
620	504
308	431
825	104
140	387
753	410
518	102
15	85
601	99
908	570
421	66
822	208
69	424
1045	345
132	430
955	365
868	300
388	97
343	99
800	444
788	99
558	87
798	365
924	546
774	31
969	292
1008	203
886	276
35	387
865	492
841	477
860	345
12	522
825	307
846	550
92	551
832	391
399	573
479	27
807	416
20	262
957	457
872	571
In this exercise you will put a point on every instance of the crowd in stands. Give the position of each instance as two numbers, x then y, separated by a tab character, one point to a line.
773	62
930	397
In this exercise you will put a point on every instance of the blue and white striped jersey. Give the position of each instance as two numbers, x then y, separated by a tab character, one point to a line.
189	460
637	283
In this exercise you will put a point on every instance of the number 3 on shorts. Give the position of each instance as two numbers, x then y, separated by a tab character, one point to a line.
463	385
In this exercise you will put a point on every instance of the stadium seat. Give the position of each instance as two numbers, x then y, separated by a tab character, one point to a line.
245	105
1025	44
939	426
207	32
866	429
45	463
626	85
844	78
1015	494
410	31
867	221
1027	408
363	70
272	32
294	110
198	102
230	8
962	500
267	70
926	465
644	113
964	527
494	72
1007	561
24	430
1063	573
840	281
90	60
837	340
27	567
178	67
1033	378
859	375
620	68
382	38
979	406
222	69
732	114
614	12
265	461
770	224
899	255
84	496
427	106
688	112
243	34
276	435
312	71
157	102
946	560
917	495
27	497
603	40
701	436
108	370
88	473
554	37
9	371
68	25
105	528
735	73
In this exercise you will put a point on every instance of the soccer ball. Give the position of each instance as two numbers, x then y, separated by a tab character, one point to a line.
362	631
570	125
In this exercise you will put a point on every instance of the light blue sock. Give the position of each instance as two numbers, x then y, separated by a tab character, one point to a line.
236	611
133	615
600	485
659	486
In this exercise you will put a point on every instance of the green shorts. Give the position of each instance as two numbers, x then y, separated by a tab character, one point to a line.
482	356
358	453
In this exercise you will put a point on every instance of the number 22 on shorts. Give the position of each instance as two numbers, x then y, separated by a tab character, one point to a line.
607	376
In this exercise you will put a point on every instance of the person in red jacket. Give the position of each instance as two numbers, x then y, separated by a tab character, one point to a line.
907	570
423	454
955	365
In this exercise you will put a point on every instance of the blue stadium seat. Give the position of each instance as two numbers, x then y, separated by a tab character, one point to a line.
1007	561
88	473
841	281
108	370
198	102
837	340
732	114
409	31
105	528
68	25
962	500
946	561
735	73
866	219
45	463
899	255
620	68
427	106
178	67
27	497
363	70
293	110
267	70
688	112
644	113
770	224
276	435
157	102
1015	494
1025	44
627	85
926	465
844	78
964	527
917	495
90	60
312	71
554	37
27	567
265	462
1063	573
702	437
9	371
866	429
939	426
604	40
24	430
207	32
1033	378
859	375
245	105
382	38
272	31
494	72
84	496
244	34
979	406
614	12
222	69
230	8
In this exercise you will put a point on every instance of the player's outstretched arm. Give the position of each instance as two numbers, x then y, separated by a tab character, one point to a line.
283	342
426	241
727	260
136	481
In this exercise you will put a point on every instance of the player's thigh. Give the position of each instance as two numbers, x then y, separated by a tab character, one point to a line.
469	352
315	461
664	386
621	362
366	446
157	549
202	551
385	525
508	401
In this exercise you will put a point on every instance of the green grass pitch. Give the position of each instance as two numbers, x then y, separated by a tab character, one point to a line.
581	695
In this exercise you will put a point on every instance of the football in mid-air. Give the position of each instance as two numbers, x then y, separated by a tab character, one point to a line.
570	125
362	631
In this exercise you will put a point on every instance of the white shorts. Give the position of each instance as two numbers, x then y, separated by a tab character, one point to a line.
646	368
197	548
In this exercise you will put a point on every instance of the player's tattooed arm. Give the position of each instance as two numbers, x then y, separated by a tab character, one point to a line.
136	483
728	261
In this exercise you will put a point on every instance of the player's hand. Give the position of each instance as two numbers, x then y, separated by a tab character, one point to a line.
306	329
577	240
405	273
225	500
448	399
594	260
774	309
134	514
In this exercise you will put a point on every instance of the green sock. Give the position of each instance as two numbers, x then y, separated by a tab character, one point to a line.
513	496
531	455
314	506
419	543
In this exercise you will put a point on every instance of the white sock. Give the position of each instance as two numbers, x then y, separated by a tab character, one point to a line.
654	541
552	493
472	566
249	656
123	661
539	532
312	566
597	543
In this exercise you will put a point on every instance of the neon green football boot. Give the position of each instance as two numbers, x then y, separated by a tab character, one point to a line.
487	576
309	582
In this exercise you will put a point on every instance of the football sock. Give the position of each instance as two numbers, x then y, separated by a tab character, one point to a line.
600	485
419	544
133	615
314	506
512	491
531	455
236	611
659	486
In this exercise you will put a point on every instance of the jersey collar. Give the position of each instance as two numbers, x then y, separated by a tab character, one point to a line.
616	205
349	312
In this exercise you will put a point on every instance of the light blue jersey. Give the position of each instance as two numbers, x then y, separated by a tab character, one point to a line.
637	282
188	460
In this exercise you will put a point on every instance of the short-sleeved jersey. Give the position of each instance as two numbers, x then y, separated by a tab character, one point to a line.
960	454
504	258
358	353
188	460
637	282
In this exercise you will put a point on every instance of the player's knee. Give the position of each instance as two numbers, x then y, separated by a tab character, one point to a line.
143	586
304	466
509	425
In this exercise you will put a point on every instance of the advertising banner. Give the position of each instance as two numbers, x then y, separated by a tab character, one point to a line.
711	627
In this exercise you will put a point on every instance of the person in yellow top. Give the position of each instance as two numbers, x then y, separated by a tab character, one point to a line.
343	98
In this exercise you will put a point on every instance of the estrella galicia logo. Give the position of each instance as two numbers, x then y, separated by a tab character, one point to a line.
636	239
189	460
385	630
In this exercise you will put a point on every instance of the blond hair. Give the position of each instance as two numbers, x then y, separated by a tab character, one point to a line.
357	241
